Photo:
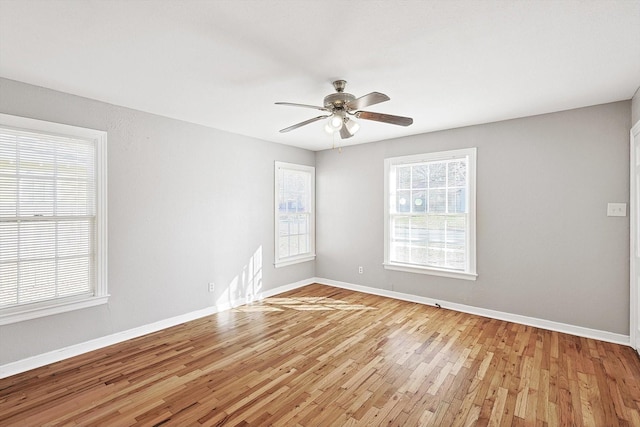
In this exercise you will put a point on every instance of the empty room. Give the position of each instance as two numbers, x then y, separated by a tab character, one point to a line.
319	213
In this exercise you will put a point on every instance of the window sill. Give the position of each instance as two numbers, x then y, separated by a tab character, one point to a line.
432	271
286	262
48	308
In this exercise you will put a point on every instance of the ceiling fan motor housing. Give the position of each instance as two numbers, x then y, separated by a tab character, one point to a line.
337	100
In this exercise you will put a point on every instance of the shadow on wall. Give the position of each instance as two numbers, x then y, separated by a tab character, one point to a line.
245	287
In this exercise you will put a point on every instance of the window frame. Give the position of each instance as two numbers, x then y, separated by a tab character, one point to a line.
470	236
280	261
100	294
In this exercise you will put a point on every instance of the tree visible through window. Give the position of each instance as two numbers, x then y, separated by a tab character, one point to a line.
430	212
294	215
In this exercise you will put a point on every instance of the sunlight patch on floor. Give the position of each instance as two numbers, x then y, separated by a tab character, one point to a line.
276	304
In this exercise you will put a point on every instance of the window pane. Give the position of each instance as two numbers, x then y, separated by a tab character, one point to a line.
456	227
37	240
437	175
8	154
419	201
401	227
303	224
295	187
283	246
8	242
437	201
75	273
293	225
35	156
302	205
419	230
419	255
456	200
283	226
303	244
456	260
399	252
8	284
435	256
419	176
403	201
37	281
293	245
74	238
457	173
437	226
403	177
36	197
75	159
74	198
8	196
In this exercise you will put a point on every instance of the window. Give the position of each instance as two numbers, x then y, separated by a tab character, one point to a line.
294	213
52	218
430	213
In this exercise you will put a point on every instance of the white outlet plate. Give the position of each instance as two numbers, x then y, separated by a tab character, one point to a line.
616	209
211	287
360	270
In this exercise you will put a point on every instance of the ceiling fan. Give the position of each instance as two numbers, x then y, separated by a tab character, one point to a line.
340	105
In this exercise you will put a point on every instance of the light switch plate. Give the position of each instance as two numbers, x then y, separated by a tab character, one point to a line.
616	209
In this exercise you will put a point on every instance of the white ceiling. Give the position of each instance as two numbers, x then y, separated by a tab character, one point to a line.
223	63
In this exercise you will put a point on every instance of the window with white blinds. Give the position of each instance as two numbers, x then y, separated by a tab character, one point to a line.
52	222
294	213
430	213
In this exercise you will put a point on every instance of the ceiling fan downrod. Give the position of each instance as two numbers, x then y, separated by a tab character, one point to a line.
339	85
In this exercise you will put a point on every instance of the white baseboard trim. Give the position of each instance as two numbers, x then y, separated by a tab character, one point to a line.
98	343
500	315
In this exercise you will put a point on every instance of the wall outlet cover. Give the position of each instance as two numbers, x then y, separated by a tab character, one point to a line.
616	209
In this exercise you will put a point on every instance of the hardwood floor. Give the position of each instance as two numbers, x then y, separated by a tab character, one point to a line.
321	356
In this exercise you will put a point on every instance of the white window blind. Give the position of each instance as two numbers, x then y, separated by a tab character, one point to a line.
295	215
430	213
48	220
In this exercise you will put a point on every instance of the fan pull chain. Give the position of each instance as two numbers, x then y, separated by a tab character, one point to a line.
333	146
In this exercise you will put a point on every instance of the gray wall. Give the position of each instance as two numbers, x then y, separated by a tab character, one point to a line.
635	107
187	205
546	248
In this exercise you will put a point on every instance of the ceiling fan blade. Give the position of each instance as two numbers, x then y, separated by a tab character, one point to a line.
385	118
366	100
344	132
306	122
291	104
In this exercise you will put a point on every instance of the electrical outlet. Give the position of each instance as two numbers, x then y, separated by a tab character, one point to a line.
211	287
616	209
360	270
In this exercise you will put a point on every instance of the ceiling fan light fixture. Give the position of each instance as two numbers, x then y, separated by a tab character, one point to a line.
334	123
328	129
352	125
